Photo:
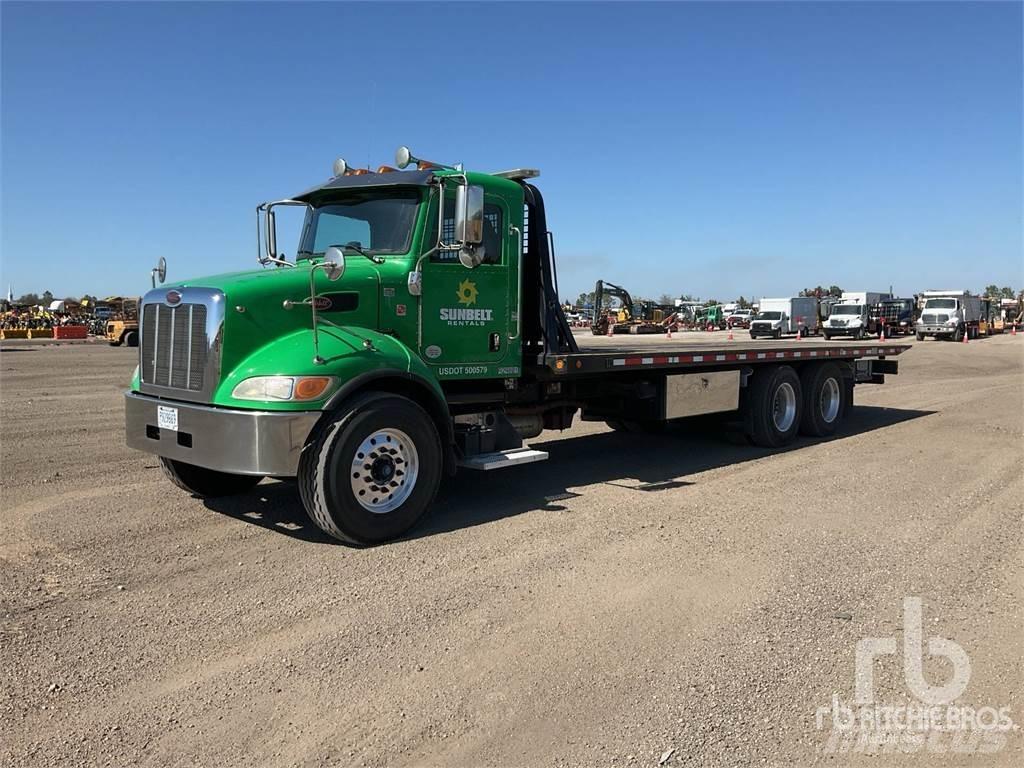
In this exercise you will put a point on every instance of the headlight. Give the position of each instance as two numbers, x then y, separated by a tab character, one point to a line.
282	388
952	321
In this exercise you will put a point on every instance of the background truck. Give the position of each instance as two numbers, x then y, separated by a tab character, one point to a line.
949	315
418	332
897	315
866	298
778	317
739	318
848	318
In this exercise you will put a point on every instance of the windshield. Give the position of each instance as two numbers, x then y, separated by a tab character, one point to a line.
769	316
940	304
378	224
846	309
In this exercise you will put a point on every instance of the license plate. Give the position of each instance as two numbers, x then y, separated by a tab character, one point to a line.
167	417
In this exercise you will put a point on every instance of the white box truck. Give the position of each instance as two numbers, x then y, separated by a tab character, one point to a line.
868	298
776	317
852	315
949	315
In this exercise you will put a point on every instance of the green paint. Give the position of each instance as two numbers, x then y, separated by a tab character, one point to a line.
461	309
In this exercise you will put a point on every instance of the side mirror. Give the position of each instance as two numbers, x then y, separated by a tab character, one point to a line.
334	263
471	256
271	234
469	214
161	270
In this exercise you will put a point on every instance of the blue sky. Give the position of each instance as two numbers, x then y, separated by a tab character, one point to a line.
715	150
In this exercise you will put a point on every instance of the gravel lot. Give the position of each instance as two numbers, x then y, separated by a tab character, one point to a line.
680	598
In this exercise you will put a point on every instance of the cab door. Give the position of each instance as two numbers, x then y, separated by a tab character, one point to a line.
467	312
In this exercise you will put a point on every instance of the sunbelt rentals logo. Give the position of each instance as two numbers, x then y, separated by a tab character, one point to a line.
464	315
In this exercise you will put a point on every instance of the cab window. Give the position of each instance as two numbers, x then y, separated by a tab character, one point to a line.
492	233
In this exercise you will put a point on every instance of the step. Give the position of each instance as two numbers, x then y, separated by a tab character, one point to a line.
502	459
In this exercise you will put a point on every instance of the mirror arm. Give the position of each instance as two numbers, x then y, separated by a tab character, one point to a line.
317	360
271	232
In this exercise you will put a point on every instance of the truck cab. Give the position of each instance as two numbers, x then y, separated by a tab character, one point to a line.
847	319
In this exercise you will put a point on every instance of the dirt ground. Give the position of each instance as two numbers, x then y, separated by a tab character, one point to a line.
681	599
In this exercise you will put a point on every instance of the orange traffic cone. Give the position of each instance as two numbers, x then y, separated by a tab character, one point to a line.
965	334
798	336
1013	329
668	331
881	333
730	333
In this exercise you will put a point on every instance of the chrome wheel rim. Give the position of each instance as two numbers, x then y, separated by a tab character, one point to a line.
784	407
384	470
828	402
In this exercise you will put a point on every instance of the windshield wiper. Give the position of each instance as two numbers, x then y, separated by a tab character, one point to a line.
356	246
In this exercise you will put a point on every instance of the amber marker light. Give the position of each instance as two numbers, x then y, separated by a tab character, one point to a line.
310	387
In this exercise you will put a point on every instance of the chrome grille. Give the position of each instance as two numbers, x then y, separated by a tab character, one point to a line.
934	319
175	346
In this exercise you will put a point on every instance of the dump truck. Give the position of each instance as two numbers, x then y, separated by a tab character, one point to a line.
949	315
416	334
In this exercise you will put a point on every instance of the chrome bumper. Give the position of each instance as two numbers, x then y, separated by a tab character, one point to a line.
225	439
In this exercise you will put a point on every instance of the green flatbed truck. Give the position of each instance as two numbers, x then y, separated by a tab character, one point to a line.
416	333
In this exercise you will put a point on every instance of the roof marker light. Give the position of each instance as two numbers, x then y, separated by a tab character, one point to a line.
518	174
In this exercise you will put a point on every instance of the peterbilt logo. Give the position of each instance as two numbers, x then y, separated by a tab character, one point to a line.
173	297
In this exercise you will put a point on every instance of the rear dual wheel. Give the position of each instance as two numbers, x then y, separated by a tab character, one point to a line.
824	396
781	403
774	405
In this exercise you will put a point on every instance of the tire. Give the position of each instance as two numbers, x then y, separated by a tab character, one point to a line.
766	425
859	334
828	336
208	483
824	396
920	337
131	339
338	488
777	333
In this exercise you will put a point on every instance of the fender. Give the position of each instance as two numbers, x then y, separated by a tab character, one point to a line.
385	361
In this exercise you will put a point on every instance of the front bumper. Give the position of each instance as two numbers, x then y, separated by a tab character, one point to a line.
845	330
225	439
936	330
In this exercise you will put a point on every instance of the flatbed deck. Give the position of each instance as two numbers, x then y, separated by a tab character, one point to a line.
599	353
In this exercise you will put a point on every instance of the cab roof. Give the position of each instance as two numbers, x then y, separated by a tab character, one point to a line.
364	180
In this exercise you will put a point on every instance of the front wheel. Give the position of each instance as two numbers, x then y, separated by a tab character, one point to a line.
131	339
920	336
371	470
209	483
